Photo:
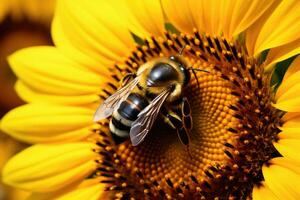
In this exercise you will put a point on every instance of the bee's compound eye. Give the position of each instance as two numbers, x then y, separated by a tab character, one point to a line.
161	74
187	75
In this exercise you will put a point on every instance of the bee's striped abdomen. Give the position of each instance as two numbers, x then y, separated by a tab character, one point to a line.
126	114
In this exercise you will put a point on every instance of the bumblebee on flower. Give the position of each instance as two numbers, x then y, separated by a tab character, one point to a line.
244	134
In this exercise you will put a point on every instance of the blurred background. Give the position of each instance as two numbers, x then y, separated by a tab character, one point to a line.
23	23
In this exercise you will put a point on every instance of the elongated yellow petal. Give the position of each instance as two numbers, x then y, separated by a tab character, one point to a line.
288	88
46	123
290	128
183	21
93	31
67	47
88	192
289	148
291	120
286	96
89	189
283	52
247	13
289	105
263	193
253	31
293	68
215	17
283	177
143	18
44	168
281	27
33	96
45	69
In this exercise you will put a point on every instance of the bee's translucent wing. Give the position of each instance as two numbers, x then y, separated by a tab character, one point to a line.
113	102
143	124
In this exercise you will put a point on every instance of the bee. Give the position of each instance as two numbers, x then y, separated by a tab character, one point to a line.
156	89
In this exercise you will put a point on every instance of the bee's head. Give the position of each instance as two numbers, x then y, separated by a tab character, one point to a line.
165	72
182	65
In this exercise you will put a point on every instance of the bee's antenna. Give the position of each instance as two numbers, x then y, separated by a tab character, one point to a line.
196	78
200	70
181	50
194	73
189	152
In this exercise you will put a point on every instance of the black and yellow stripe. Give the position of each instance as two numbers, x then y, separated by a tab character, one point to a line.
126	114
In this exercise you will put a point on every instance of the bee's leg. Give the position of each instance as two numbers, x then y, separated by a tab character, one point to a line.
126	79
182	132
168	116
177	122
186	114
186	120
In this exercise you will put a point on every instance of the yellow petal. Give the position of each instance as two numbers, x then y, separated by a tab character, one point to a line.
291	78
184	22
282	27
263	193
206	16
215	17
289	148
286	96
283	177
46	123
45	69
44	168
247	13
288	88
16	194
33	96
93	31
289	105
290	120
143	18
66	46
282	53
87	192
90	189
290	127
293	68
253	31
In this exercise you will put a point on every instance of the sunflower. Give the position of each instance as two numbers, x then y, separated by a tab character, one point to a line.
244	141
22	24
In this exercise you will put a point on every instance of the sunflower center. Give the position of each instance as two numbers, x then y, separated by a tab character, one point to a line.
234	125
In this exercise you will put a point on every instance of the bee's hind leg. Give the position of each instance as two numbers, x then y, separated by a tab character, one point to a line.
171	118
182	123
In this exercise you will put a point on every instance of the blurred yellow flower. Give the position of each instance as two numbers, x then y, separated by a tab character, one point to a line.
244	141
31	10
9	147
23	23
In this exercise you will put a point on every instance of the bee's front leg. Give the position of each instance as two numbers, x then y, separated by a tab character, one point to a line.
126	79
